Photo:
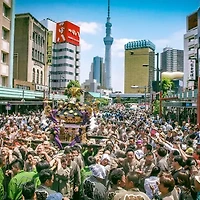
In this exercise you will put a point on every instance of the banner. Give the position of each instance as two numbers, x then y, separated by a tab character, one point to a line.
192	70
49	47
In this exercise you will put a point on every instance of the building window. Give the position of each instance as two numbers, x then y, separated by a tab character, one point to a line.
5	34
4	57
36	38
35	54
41	57
33	51
33	78
33	37
38	55
37	80
39	39
41	78
6	11
191	39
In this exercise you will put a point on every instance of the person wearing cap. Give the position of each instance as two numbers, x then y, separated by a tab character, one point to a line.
20	177
189	151
105	161
197	186
93	186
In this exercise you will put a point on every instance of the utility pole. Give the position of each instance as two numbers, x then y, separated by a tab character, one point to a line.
198	90
145	97
49	85
157	75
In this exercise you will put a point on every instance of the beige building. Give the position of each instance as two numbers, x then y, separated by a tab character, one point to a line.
30	53
139	66
5	24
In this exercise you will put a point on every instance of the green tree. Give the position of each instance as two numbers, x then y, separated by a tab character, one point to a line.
166	85
103	101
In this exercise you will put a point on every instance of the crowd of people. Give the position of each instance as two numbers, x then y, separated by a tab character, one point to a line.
128	155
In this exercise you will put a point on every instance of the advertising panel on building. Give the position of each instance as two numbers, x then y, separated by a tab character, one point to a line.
49	47
67	32
192	68
192	21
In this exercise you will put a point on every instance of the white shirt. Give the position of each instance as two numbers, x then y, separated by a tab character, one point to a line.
152	180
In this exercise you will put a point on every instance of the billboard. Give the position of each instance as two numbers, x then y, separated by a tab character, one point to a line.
192	21
49	47
68	32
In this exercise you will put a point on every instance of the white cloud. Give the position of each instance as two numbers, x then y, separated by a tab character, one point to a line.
118	46
85	46
90	27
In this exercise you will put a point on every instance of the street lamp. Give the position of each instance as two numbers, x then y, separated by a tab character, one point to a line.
145	91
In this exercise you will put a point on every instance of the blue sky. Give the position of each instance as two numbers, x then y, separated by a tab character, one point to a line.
161	21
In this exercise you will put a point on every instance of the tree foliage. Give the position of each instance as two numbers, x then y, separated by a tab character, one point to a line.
166	86
156	107
103	101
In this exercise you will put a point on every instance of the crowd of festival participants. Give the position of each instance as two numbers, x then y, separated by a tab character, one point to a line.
130	155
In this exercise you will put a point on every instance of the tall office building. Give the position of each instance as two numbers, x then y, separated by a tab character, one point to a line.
96	76
30	53
5	41
108	40
139	66
98	70
171	60
65	64
191	44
